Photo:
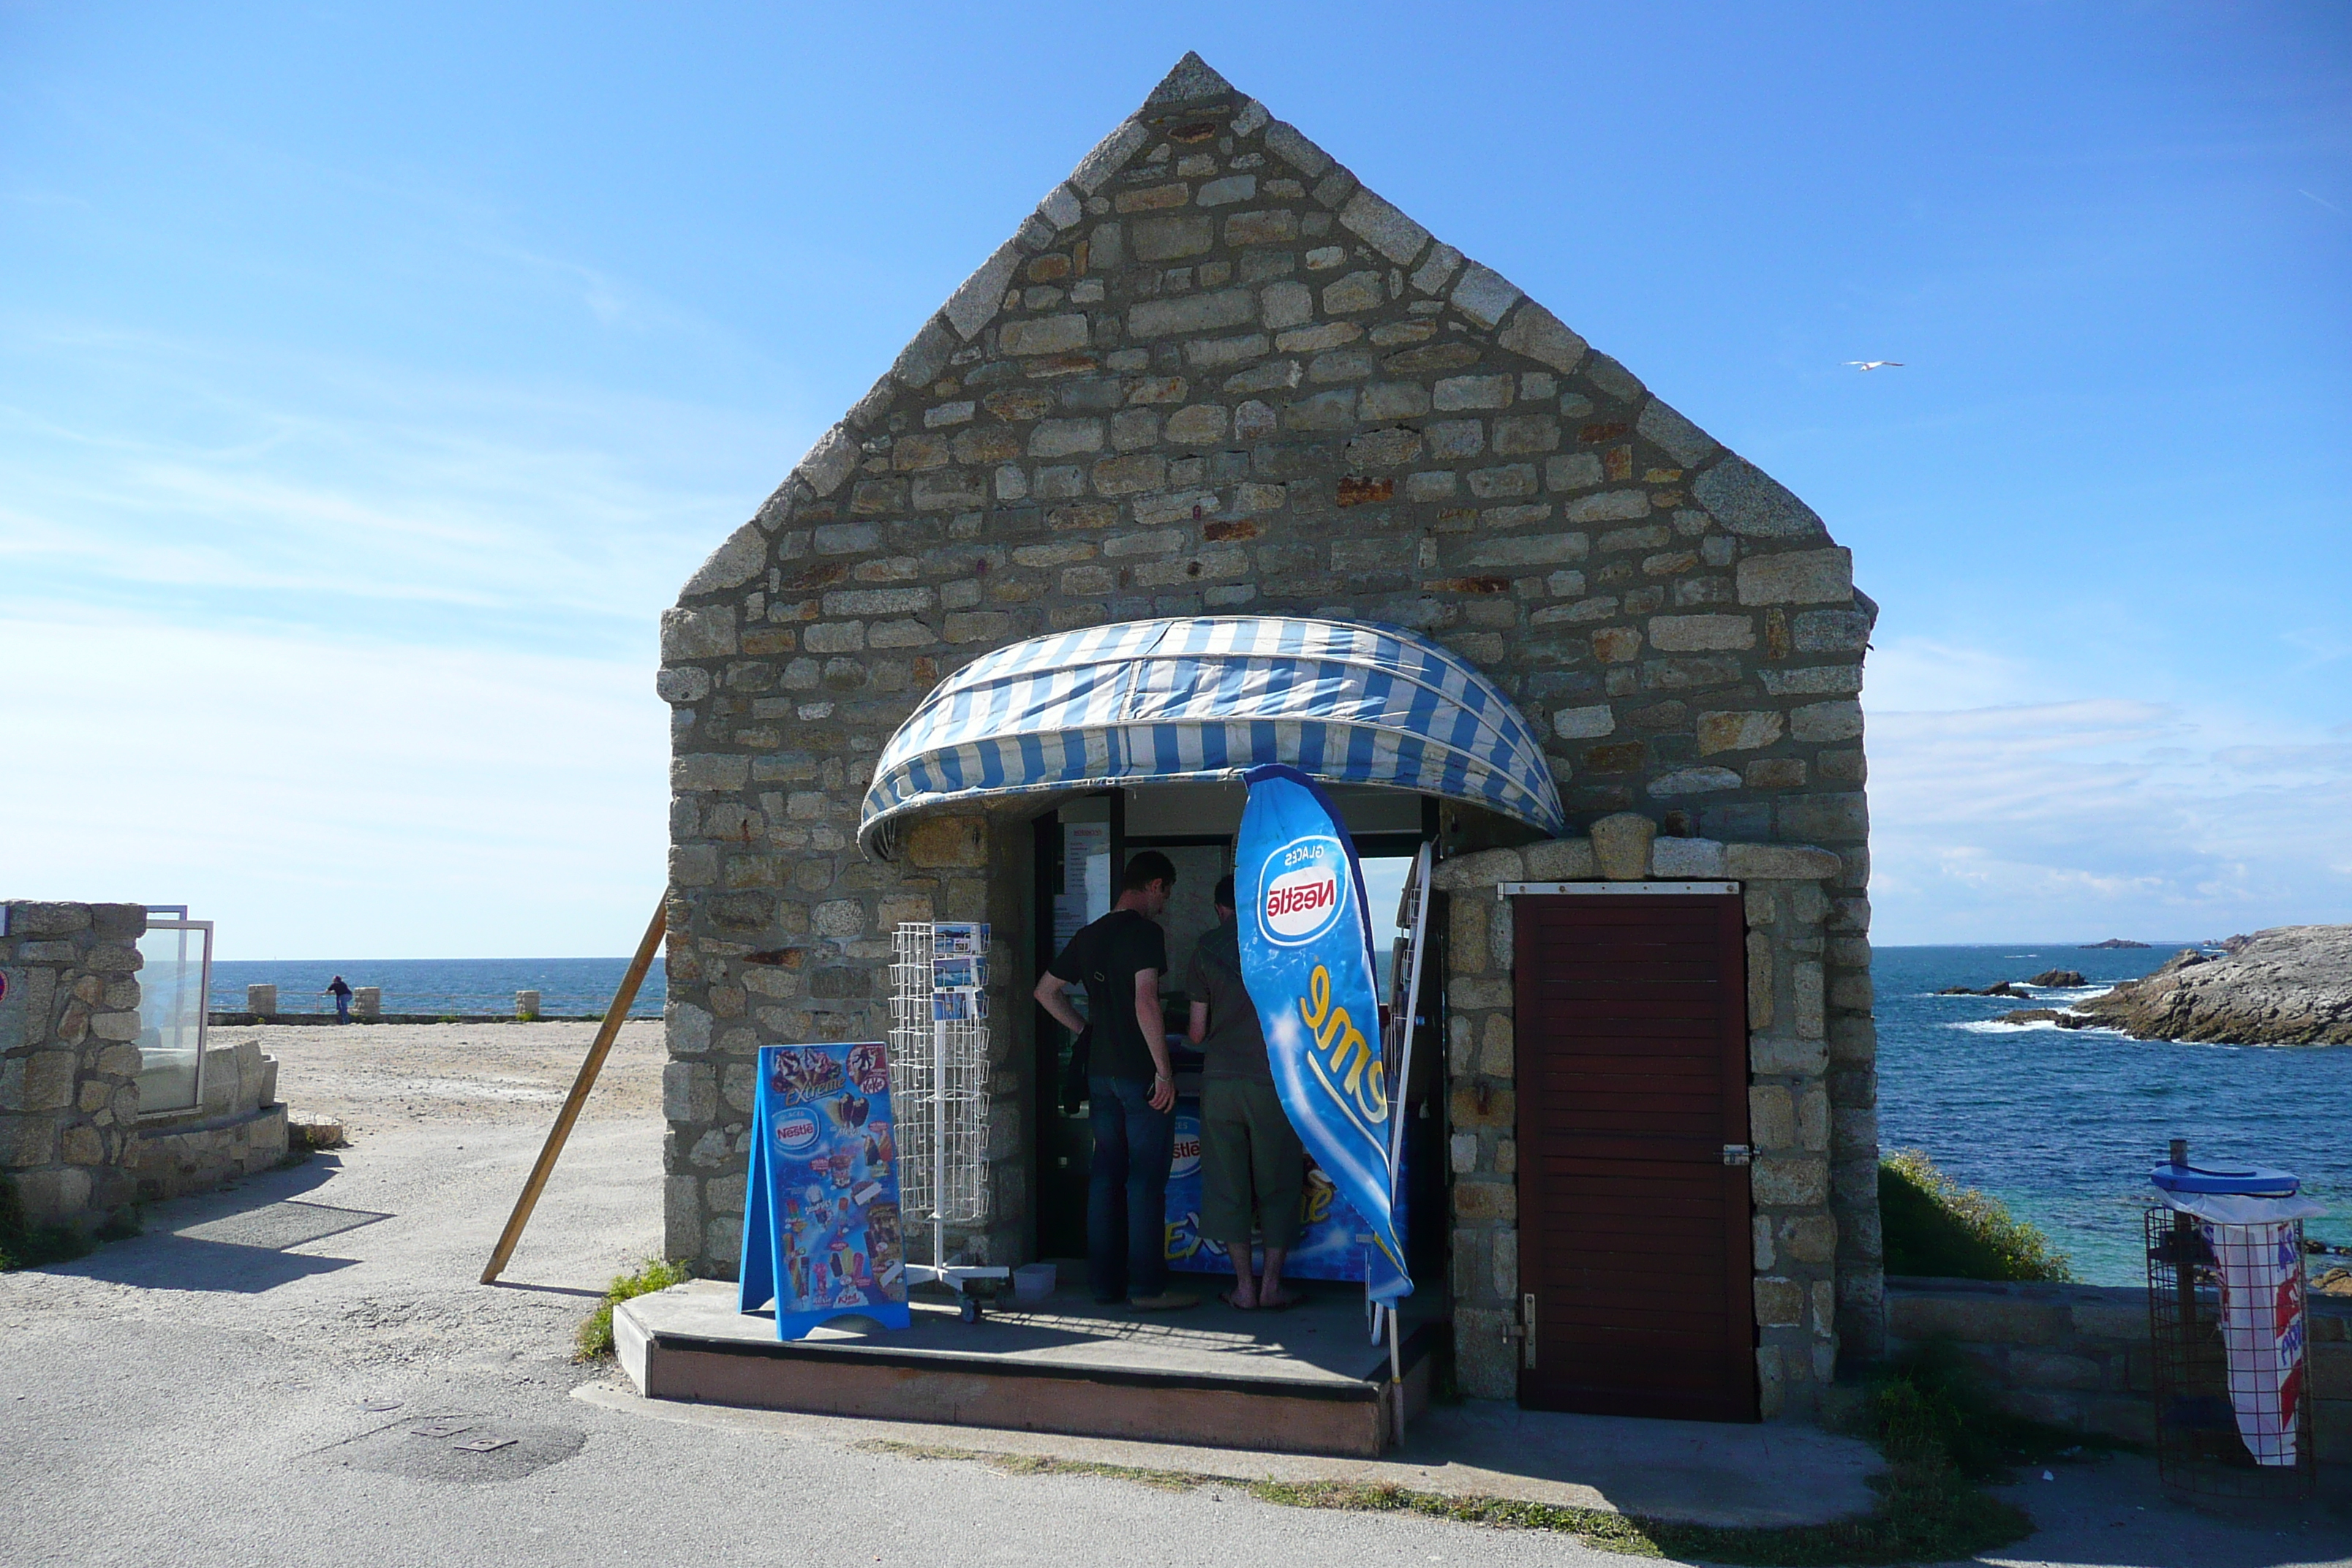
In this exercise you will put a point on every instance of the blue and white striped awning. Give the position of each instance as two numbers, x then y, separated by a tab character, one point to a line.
1206	699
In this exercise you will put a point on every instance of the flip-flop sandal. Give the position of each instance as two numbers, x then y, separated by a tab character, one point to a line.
1227	1298
1282	1306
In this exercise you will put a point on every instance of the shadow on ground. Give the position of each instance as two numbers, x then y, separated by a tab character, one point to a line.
237	1240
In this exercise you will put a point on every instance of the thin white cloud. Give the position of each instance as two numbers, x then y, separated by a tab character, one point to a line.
2103	816
328	480
316	794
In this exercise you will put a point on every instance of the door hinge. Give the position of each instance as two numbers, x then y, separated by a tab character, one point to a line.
1528	1331
1738	1154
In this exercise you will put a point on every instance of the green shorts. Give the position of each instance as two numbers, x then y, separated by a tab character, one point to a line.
1248	1148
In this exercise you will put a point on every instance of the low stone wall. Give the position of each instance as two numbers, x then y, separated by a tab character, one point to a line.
2079	1356
72	1140
68	1069
237	1130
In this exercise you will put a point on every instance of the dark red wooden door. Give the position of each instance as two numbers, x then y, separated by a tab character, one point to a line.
1634	1226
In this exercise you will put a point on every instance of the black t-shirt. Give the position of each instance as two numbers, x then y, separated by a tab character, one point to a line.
1104	957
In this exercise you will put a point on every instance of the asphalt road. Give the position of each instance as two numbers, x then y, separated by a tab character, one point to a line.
241	1387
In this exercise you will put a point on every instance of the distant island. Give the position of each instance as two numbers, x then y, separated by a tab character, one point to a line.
2111	941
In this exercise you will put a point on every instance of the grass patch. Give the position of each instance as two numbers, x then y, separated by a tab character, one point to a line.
594	1339
1929	1406
1927	1513
1936	1227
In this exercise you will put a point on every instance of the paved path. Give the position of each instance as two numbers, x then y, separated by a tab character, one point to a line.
239	1386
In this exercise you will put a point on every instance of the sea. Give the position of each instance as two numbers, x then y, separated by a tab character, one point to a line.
2062	1125
567	988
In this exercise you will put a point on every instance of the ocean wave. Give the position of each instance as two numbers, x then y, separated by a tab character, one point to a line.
1996	1027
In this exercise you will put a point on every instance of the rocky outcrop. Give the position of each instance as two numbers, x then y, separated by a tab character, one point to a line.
2064	977
2111	942
2058	1015
2287	986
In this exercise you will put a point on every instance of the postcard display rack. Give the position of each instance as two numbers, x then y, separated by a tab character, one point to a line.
939	1083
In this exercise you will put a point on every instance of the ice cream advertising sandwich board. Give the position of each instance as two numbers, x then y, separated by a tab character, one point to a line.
820	1230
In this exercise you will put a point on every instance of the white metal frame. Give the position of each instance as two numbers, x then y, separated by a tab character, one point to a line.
1404	1008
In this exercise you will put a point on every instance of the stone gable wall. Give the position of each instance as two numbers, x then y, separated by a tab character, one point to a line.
1214	374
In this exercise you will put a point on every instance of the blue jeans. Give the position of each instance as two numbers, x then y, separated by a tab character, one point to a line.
1127	1193
342	1009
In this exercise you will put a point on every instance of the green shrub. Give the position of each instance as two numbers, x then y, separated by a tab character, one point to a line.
1935	1226
25	1245
596	1336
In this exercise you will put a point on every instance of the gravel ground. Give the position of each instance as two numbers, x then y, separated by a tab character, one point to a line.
377	1078
242	1385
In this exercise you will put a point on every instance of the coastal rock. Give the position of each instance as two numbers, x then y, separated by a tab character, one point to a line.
2287	986
1998	988
2057	977
2058	1015
2111	941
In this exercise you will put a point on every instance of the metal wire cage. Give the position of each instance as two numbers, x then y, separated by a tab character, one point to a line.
2230	1367
938	1092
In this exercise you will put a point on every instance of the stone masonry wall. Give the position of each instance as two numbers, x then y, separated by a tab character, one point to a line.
68	1069
1212	373
1817	1273
2079	1356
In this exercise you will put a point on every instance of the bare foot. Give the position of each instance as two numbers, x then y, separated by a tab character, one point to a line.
1238	1300
1276	1299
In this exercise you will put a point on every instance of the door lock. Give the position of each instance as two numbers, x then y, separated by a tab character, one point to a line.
1737	1154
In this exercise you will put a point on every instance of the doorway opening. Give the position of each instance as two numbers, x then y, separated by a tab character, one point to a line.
1080	849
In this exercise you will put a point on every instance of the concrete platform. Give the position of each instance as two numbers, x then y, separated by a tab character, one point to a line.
1306	1381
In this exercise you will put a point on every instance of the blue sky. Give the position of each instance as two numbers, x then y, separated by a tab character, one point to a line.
370	378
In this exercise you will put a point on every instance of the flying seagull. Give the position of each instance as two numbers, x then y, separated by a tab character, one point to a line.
1876	364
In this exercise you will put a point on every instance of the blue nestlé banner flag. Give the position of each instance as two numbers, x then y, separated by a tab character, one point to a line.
1307	958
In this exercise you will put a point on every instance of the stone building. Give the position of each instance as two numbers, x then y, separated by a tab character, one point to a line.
1213	374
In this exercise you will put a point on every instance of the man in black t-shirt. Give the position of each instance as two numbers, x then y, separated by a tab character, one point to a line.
1130	1086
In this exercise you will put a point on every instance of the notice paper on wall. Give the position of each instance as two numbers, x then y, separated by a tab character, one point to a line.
1085	879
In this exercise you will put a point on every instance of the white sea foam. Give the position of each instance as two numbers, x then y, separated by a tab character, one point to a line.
1995	1026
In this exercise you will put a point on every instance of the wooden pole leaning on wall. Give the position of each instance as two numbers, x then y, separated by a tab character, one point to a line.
615	1016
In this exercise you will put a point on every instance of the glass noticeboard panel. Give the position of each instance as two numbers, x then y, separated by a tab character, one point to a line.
175	975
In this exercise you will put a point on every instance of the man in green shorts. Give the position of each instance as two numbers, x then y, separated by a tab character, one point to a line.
1248	1148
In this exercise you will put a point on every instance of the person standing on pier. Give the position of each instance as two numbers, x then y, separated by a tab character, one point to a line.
342	993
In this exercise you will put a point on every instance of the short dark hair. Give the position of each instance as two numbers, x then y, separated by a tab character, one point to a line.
1225	893
1145	867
